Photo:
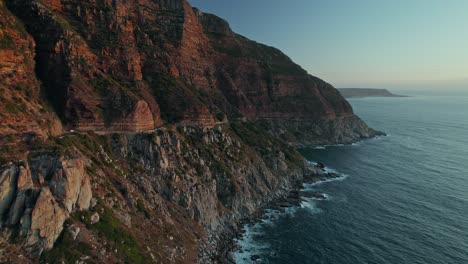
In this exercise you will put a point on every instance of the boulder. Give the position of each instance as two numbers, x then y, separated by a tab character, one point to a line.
74	231
71	185
47	220
95	218
40	195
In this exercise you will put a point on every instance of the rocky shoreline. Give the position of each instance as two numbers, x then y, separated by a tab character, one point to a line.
224	240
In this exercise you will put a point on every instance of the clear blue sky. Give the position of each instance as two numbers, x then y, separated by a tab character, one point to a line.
361	43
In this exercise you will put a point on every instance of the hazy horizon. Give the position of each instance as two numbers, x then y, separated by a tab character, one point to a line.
414	45
408	91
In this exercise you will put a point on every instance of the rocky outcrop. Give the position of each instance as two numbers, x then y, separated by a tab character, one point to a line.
71	185
47	220
236	183
7	189
198	181
213	175
37	197
213	24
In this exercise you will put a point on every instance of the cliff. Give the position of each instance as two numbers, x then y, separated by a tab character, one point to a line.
157	196
119	65
21	107
183	130
366	92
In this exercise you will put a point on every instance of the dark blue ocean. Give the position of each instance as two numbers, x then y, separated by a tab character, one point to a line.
404	198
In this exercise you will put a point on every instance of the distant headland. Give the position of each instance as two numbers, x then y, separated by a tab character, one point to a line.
366	92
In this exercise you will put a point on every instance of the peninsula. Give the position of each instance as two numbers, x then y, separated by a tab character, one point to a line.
366	92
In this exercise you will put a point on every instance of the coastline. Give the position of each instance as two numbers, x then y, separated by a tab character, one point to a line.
225	241
297	198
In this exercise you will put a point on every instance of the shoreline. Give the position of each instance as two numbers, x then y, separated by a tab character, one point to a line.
228	236
225	239
295	199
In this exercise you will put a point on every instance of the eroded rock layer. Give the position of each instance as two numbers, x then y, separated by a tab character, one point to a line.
129	65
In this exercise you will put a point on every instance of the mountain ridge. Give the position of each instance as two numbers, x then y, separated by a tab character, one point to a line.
147	131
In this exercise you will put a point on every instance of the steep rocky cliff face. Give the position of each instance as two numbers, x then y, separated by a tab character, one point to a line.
120	65
264	85
21	109
226	111
157	196
36	197
83	77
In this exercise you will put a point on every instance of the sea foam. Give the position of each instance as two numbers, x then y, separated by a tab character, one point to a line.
249	243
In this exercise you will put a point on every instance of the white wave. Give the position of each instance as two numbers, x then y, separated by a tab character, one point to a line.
333	145
310	206
325	197
247	244
310	185
350	145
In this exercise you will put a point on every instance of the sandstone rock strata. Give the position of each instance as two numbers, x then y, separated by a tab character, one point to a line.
119	65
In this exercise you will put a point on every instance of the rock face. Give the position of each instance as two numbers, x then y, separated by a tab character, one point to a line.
71	185
215	176
37	197
233	184
21	109
119	65
167	187
7	189
47	220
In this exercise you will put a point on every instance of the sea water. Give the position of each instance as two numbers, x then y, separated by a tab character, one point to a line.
404	198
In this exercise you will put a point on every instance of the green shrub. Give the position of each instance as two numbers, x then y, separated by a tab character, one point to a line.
3	160
15	108
220	116
6	42
113	230
65	250
251	134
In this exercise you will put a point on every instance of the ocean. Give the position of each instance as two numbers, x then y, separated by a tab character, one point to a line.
403	198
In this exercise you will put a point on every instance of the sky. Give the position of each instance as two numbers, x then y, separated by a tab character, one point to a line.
401	44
